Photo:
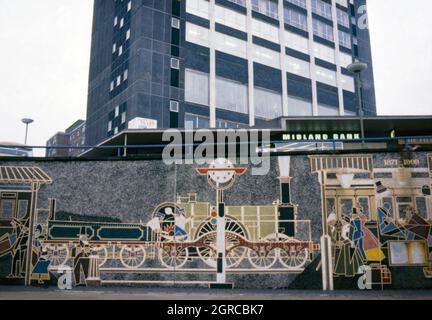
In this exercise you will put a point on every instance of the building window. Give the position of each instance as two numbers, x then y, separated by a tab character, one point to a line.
128	34
323	30
348	83
174	106
324	110
295	19
116	112
348	113
109	126
175	23
298	107
322	8
343	18
268	104
112	86
199	8
114	48
225	124
266	7
343	3
123	117
231	95
296	42
118	80
230	18
129	6
175	63
324	52
121	22
345	39
265	30
116	130
120	51
345	59
298	67
193	121
115	21
239	2
197	87
230	45
325	76
266	56
125	75
196	34
300	3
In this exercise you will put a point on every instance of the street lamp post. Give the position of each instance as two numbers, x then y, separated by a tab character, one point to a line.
357	68
27	121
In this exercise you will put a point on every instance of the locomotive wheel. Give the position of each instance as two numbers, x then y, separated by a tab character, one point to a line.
132	256
235	255
58	254
261	260
208	253
173	259
294	259
102	253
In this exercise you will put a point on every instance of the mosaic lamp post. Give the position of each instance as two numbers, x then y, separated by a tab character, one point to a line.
221	176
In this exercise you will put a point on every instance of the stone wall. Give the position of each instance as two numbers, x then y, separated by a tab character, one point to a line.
128	191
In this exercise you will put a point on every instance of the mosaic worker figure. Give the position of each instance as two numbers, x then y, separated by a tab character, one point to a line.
19	248
40	255
81	260
180	223
347	257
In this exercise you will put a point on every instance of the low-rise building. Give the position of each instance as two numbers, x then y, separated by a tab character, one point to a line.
64	144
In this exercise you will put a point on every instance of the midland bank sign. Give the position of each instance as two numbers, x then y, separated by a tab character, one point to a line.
320	136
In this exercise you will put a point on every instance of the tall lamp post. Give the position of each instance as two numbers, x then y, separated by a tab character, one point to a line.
27	121
357	68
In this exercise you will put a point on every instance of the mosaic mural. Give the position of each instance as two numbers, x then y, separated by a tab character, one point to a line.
376	210
376	216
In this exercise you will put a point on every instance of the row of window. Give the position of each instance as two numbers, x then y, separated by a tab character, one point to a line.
122	21
322	8
122	120
120	48
194	121
265	30
233	96
118	81
200	35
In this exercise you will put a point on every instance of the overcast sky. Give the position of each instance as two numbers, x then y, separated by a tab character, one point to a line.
46	48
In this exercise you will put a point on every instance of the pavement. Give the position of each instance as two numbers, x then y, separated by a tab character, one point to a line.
142	293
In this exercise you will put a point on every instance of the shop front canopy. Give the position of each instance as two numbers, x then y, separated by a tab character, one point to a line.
18	174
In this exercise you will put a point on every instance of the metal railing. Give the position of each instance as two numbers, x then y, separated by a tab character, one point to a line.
408	143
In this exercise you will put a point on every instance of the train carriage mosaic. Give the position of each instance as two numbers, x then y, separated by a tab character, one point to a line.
375	209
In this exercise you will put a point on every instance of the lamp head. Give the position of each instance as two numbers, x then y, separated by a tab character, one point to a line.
357	67
27	121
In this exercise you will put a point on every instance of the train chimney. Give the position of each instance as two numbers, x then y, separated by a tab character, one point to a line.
286	208
285	180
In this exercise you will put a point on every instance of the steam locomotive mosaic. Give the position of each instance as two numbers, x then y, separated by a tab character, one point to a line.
179	235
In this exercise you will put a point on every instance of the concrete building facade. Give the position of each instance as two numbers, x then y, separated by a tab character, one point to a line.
224	63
